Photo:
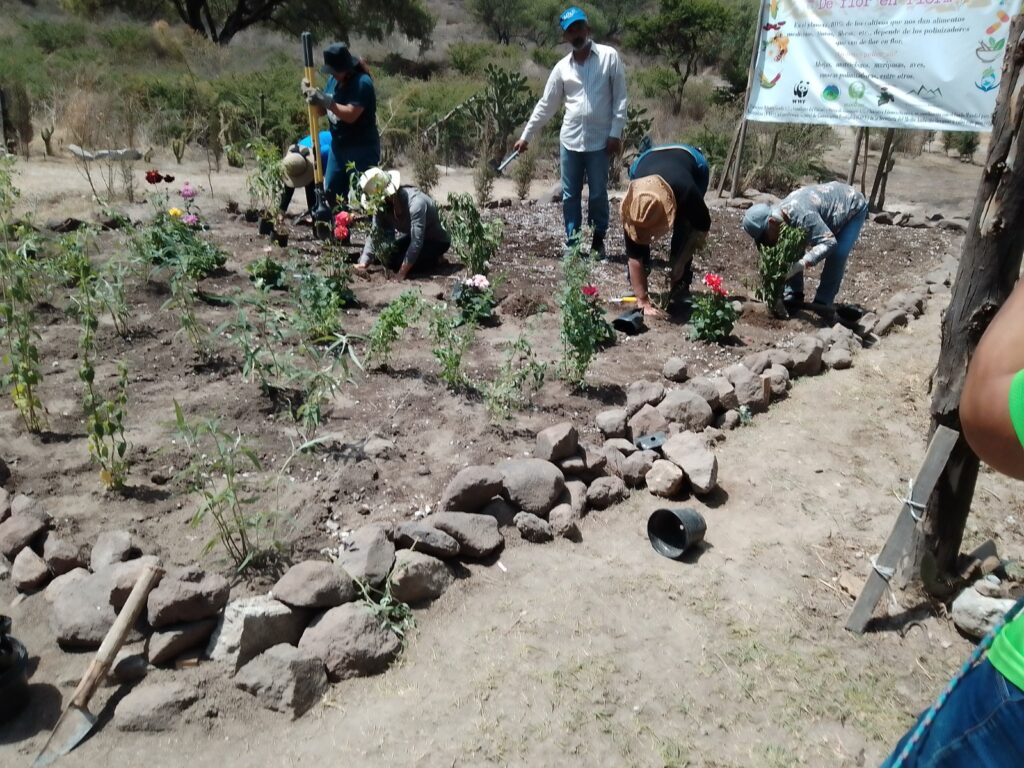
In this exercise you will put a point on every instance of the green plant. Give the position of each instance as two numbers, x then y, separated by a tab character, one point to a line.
964	142
217	471
112	294
318	309
168	242
713	316
424	169
108	446
483	180
524	169
584	328
504	104
395	318
474	241
392	613
775	262
474	296
265	180
520	376
183	300
319	377
18	280
452	337
266	273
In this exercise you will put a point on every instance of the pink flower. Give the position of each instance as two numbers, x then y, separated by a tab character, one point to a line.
479	282
342	219
714	282
188	192
340	231
190	219
590	291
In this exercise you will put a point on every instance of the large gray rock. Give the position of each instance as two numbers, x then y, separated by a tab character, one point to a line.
18	531
250	625
113	547
121	577
82	612
623	446
533	528
532	485
577	497
429	540
478	535
757	362
636	466
563	521
703	386
976	614
129	667
471	489
889	320
351	642
641	393
675	369
687	408
557	442
187	594
689	452
729	420
285	679
647	421
807	352
612	422
751	390
314	584
501	511
587	463
368	555
664	479
727	399
778	379
62	581
165	645
838	358
154	706
29	571
417	577
781	357
606	491
62	556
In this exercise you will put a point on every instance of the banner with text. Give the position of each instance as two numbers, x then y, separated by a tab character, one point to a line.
926	64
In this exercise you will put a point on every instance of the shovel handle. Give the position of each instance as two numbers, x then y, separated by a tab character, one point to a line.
307	49
115	636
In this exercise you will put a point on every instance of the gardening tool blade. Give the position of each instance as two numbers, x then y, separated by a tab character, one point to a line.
505	163
73	726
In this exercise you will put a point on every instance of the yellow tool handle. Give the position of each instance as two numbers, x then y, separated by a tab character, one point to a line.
314	132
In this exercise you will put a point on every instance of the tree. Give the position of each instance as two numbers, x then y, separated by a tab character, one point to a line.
221	20
503	18
989	267
682	32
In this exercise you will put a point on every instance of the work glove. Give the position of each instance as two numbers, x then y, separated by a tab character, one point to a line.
795	269
315	96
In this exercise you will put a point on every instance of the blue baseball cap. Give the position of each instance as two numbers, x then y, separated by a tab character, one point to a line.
570	16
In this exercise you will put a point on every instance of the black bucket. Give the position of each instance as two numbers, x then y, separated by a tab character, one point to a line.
266	227
673	531
13	673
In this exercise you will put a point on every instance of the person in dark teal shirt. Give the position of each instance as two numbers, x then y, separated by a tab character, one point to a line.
350	102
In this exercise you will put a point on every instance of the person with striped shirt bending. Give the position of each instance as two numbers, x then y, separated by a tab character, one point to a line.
591	81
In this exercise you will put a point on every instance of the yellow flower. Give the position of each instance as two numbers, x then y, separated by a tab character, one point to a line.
175	213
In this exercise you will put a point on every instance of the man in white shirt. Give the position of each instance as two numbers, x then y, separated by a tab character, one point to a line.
592	81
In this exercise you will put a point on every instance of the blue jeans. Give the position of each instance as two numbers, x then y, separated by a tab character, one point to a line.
576	166
336	174
835	264
981	724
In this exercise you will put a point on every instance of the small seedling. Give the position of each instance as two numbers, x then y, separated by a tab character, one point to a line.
775	263
451	339
520	376
395	318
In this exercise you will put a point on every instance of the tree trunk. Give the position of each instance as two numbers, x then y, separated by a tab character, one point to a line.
890	163
989	266
864	165
852	175
883	161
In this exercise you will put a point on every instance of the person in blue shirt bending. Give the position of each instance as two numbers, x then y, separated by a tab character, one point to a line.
298	171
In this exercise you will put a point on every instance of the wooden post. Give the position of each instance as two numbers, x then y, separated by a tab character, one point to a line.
852	175
989	266
882	161
864	165
736	152
3	135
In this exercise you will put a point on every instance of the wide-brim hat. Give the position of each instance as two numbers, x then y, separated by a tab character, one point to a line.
376	181
298	170
337	58
648	209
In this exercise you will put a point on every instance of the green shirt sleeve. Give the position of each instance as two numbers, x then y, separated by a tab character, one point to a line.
1016	403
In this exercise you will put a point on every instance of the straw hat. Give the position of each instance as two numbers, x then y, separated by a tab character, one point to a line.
297	168
648	209
375	181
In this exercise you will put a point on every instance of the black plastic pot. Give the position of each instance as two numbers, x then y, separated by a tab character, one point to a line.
280	238
252	215
266	227
673	531
13	673
630	323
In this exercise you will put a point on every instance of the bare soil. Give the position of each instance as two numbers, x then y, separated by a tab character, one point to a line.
597	653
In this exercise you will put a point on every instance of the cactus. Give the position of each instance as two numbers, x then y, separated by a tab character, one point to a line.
178	148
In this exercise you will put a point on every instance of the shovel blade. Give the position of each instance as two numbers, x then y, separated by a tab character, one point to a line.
73	726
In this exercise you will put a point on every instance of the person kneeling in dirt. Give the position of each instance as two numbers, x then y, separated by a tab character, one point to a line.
408	212
298	171
665	193
832	216
982	721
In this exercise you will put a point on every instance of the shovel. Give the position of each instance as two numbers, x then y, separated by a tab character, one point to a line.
322	211
76	722
506	162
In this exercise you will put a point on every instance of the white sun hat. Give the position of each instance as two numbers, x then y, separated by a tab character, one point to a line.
375	182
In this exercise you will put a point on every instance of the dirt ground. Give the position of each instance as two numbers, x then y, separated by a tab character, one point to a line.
598	653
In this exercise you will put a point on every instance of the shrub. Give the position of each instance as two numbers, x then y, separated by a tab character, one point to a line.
584	328
964	143
474	241
524	169
775	262
424	169
52	36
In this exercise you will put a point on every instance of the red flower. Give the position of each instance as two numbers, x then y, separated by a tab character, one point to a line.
590	291
154	176
340	231
342	219
714	282
168	179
